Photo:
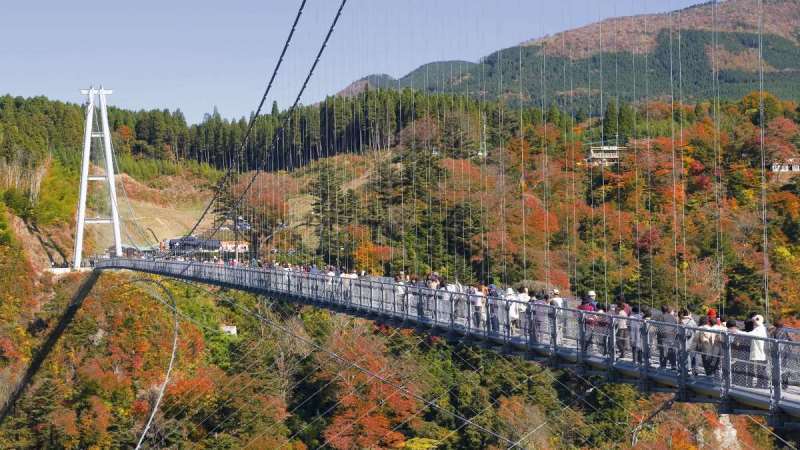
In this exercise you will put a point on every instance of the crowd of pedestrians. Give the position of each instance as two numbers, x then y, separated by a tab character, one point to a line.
638	332
626	331
704	338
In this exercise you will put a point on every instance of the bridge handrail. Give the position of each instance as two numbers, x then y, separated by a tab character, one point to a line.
114	263
746	361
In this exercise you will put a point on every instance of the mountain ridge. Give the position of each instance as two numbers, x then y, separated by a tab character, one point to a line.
724	37
639	32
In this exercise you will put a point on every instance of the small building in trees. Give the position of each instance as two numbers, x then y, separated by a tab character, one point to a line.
604	155
235	246
229	330
127	251
789	165
193	244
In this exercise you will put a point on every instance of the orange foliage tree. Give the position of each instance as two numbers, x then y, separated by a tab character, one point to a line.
368	408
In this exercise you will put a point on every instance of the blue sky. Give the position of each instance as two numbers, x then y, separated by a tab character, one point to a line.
198	54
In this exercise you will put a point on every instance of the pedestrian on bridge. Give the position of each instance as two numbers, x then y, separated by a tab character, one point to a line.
588	321
709	344
788	357
478	302
666	334
415	294
492	304
740	354
690	334
524	298
758	357
516	309
557	302
400	292
593	299
555	298
434	282
330	280
602	330
636	327
540	316
621	325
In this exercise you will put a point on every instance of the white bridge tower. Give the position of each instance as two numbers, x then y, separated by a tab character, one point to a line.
88	136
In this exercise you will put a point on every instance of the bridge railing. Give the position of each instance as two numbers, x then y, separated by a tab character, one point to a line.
687	354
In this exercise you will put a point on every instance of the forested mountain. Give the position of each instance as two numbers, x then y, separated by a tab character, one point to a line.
391	132
398	180
649	55
419	180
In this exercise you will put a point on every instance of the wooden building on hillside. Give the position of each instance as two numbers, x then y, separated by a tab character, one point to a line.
605	155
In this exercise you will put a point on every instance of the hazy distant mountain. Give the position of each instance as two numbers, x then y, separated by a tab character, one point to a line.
622	47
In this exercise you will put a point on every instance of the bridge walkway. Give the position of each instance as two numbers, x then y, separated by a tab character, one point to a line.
661	359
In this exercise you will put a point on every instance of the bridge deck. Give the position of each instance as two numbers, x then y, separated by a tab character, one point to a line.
654	355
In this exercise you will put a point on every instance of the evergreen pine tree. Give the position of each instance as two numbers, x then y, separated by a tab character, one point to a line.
610	122
224	208
626	120
554	115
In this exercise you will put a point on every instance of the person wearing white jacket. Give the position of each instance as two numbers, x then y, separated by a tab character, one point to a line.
400	292
758	357
561	318
522	308
556	299
513	308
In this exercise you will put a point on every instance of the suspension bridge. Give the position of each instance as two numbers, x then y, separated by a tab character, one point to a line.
565	337
661	357
654	356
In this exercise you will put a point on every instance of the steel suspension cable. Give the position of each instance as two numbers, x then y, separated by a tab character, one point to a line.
684	253
258	111
568	127
675	225
306	400
504	188
618	167
291	110
636	217
545	170
591	135
649	186
171	363
233	380
762	125
603	176
573	163
463	109
358	367
718	182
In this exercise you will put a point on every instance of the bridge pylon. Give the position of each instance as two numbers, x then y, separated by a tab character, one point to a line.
94	94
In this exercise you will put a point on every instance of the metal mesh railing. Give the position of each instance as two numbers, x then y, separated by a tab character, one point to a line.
731	361
568	323
596	335
789	357
749	362
541	323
